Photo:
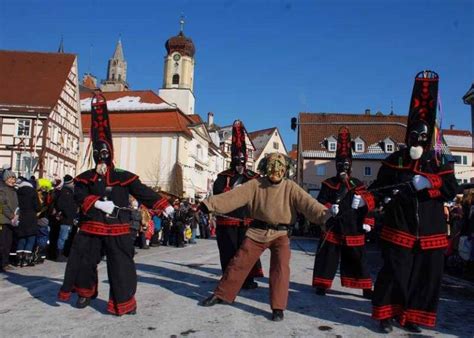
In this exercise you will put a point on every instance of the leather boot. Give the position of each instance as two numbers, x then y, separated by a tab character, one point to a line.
386	325
277	315
21	259
412	327
29	259
82	302
211	301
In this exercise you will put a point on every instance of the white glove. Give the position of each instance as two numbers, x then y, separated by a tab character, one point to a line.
420	182
357	202
334	209
169	211
366	227
387	200
105	206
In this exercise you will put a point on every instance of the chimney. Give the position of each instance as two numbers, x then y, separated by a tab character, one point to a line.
89	81
367	111
210	119
451	126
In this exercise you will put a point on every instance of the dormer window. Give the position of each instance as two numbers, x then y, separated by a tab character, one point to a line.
389	148
359	145
332	146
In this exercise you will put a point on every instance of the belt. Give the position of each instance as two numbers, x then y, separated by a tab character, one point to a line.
265	226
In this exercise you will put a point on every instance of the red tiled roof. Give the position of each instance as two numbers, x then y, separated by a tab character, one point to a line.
371	128
146	96
456	132
33	78
293	154
195	118
143	122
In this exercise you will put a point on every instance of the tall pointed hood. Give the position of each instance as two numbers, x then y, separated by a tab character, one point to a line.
100	124
238	149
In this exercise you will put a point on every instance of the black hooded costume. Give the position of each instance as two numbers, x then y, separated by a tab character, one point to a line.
106	232
230	231
414	232
344	238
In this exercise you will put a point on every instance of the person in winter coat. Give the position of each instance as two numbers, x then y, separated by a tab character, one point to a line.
8	205
29	205
66	207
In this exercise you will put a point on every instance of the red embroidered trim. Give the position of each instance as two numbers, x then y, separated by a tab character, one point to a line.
397	237
220	221
435	180
328	205
86	181
433	193
332	237
434	242
355	240
418	317
369	200
160	205
386	311
64	296
89	202
122	308
103	229
123	184
248	221
322	282
85	292
370	221
356	283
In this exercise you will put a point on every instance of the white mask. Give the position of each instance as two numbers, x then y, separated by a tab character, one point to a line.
416	152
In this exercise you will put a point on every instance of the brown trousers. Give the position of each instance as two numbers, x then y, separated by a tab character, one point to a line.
240	266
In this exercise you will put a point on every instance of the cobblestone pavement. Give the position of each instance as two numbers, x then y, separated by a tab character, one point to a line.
172	281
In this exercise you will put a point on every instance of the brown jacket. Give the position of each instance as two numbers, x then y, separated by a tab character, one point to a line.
270	203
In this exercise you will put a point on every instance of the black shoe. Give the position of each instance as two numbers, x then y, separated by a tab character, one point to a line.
250	285
412	327
321	291
211	301
367	293
386	325
277	315
82	302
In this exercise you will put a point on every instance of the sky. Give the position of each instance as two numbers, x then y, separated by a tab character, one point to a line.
264	61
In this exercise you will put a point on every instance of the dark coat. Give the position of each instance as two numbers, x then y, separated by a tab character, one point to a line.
66	205
29	205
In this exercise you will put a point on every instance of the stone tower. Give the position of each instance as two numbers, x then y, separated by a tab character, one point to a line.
178	76
116	72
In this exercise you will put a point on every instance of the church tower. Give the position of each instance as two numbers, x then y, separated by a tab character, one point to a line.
178	76
116	72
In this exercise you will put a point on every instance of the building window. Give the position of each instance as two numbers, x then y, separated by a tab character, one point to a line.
23	128
176	79
367	171
321	170
389	148
359	147
275	145
25	164
460	159
332	146
120	77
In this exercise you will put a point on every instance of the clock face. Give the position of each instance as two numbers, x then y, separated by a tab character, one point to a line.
176	57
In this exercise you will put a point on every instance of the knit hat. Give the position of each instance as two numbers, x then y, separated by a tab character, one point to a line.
7	174
68	179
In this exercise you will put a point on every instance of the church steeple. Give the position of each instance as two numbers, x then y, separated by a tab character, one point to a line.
116	71
178	79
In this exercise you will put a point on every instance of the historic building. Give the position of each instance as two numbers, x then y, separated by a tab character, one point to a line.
116	72
39	113
374	137
267	141
460	145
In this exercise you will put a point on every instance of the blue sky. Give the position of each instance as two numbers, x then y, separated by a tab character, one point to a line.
263	61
